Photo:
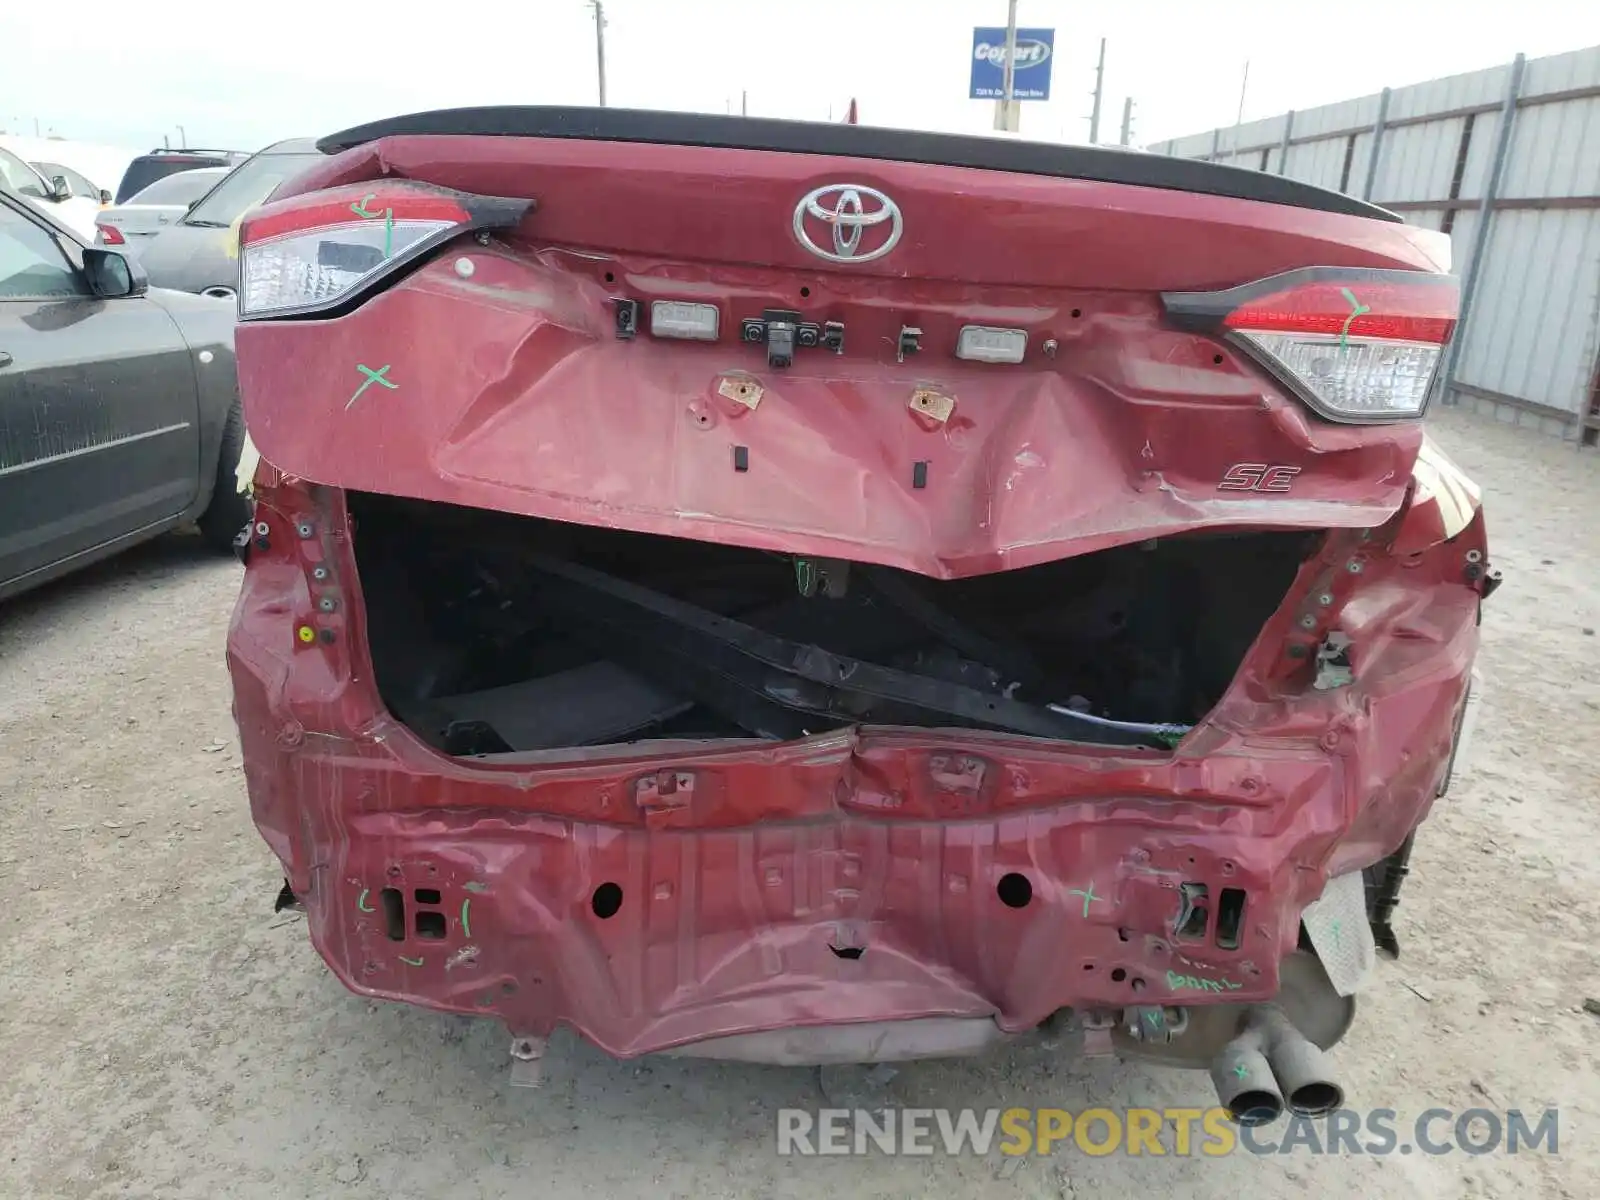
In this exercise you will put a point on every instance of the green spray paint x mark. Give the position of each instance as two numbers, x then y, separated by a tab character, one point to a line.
372	377
1087	897
1356	310
361	901
1241	1071
466	925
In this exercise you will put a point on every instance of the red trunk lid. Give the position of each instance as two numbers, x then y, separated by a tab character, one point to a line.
505	384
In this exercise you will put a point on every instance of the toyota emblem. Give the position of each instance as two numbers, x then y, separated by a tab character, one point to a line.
843	216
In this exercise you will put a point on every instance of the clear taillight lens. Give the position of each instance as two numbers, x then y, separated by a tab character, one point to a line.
315	267
310	251
1356	378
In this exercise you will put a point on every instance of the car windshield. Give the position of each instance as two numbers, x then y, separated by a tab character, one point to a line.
247	186
180	188
19	177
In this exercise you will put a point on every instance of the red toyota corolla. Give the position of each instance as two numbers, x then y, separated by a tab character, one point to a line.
813	593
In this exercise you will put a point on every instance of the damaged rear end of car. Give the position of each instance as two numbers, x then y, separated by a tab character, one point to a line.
820	594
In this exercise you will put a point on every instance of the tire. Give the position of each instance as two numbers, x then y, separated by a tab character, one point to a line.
229	510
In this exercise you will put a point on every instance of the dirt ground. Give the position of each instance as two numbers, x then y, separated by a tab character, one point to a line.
163	1034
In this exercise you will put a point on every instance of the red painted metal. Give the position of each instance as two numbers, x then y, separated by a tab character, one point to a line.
743	870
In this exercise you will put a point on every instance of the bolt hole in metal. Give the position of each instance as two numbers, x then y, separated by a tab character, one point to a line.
1014	890
1118	975
1076	313
606	901
804	292
1216	359
610	278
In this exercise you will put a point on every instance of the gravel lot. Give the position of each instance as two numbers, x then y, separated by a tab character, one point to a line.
162	1033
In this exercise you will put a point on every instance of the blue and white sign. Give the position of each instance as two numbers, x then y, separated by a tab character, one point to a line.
1031	78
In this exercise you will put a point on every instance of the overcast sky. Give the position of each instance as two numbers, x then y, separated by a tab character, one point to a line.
241	75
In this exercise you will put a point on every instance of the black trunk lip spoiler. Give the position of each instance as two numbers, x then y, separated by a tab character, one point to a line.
1096	164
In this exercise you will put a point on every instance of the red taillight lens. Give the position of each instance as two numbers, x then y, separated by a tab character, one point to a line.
110	235
312	251
1356	345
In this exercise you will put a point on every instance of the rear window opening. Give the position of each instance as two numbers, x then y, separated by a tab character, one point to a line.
491	634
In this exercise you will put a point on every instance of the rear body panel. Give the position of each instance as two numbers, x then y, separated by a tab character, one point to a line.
743	869
657	894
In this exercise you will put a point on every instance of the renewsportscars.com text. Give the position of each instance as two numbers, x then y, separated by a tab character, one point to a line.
1180	1132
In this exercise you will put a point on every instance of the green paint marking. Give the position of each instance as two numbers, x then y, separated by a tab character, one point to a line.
360	207
361	901
1153	1020
1338	933
1241	1071
476	886
466	925
1356	310
1088	897
372	377
1194	983
388	232
410	962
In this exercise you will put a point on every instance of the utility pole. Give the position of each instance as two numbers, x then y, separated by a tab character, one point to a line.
744	102
183	136
1099	84
600	45
1007	113
1127	122
1244	86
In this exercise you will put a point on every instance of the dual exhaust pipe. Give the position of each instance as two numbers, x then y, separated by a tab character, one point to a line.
1271	1065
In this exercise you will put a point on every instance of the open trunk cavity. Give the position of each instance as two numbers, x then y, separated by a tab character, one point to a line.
493	633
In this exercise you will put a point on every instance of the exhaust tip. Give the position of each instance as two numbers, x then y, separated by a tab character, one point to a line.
1255	1108
1316	1099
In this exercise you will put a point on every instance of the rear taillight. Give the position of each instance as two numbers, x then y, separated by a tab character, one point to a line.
315	251
110	235
1355	345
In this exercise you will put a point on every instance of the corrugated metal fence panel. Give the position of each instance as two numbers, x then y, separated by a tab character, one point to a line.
1451	92
1317	162
1532	327
1555	150
1418	161
1562	72
1480	154
1461	237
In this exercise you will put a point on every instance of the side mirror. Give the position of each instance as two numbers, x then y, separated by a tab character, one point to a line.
60	189
105	196
112	275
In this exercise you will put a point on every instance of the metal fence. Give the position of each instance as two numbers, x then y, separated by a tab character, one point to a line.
1506	161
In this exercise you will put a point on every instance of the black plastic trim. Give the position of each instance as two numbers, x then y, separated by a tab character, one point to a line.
1097	163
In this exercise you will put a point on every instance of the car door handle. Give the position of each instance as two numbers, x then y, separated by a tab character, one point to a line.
5	359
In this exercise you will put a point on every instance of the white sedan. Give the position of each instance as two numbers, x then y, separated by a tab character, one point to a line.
128	226
53	196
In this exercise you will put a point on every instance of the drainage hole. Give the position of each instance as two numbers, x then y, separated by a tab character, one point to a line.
606	901
850	952
1118	975
610	278
431	926
1014	890
393	902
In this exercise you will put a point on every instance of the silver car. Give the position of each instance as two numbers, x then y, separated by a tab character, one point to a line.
130	226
